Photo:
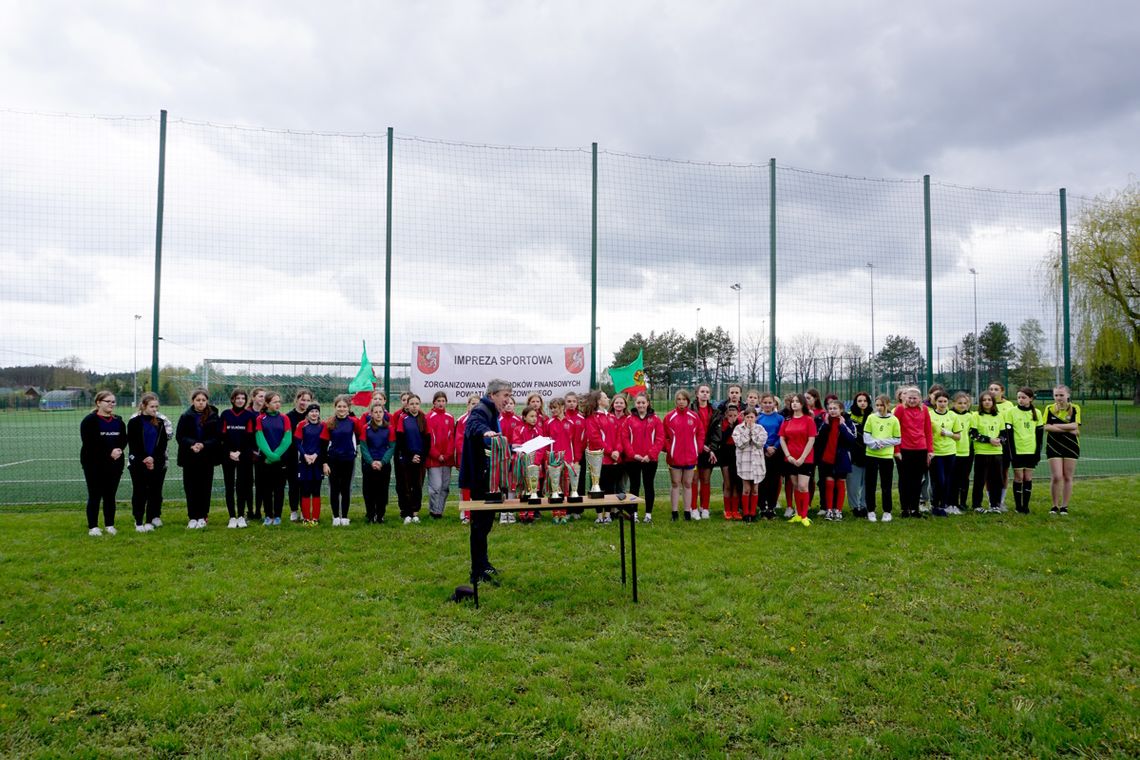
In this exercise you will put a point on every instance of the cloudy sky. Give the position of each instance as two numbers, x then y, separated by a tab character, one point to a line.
1021	96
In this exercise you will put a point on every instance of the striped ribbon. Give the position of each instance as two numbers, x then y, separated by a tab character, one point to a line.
500	474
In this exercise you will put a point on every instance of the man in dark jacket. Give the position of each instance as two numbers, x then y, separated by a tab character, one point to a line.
482	425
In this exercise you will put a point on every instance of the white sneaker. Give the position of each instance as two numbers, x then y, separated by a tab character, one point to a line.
232	523
464	521
648	517
408	520
148	527
635	517
111	530
192	525
886	517
95	531
871	517
511	518
141	528
294	516
201	525
241	522
336	522
606	519
704	514
788	513
696	514
344	521
156	522
503	519
598	520
416	519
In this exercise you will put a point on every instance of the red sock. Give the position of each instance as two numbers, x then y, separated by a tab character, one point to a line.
316	507
755	502
841	494
825	497
789	492
706	492
803	501
465	494
696	492
304	507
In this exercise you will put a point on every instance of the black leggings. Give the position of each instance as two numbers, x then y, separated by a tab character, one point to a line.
260	492
102	485
146	499
961	490
271	480
375	487
411	488
987	474
198	481
639	473
293	477
770	485
883	470
238	477
611	473
912	466
942	480
340	485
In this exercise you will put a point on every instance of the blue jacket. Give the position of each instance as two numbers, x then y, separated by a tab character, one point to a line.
847	441
473	467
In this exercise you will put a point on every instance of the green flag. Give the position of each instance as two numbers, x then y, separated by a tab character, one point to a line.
361	385
630	379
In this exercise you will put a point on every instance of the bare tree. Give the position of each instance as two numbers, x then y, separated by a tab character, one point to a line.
754	356
803	350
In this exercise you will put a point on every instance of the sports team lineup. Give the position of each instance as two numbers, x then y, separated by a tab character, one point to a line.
827	456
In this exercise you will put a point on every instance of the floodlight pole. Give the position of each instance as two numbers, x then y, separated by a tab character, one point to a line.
977	372
739	336
135	374
871	274
697	349
158	248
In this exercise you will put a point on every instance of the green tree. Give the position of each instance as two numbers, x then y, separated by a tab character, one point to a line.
664	354
1104	267
899	359
1027	355
996	350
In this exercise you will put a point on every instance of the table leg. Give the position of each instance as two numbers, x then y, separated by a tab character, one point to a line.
621	532
633	552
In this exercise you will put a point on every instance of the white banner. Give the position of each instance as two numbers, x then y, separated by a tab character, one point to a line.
463	369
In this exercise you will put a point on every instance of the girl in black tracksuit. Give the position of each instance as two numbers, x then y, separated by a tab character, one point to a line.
411	454
376	457
146	436
237	456
103	436
198	434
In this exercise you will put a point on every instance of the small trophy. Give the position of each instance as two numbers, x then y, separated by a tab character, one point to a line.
574	468
499	471
554	480
533	475
594	470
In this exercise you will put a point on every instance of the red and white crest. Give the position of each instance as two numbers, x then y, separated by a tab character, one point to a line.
575	359
427	359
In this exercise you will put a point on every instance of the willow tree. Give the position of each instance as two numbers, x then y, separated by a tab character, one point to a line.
1104	267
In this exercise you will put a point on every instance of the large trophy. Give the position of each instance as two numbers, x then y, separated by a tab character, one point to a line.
554	478
574	497
533	475
594	470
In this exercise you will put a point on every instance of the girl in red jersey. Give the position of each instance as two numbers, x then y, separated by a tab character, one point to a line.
683	437
817	409
528	429
725	451
797	439
575	416
460	429
561	430
441	455
256	407
914	453
534	401
601	435
702	482
643	437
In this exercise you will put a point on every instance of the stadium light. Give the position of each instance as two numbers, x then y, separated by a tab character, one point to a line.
977	379
697	348
871	274
135	376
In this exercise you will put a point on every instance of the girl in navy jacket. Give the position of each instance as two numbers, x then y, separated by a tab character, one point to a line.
274	436
837	437
311	439
341	429
199	434
237	457
412	443
146	436
376	458
102	436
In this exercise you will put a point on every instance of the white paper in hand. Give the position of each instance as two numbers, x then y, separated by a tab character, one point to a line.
533	445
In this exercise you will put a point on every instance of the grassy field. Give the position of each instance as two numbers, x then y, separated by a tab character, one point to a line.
39	453
996	635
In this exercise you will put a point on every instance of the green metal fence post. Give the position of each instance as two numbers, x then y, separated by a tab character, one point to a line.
593	265
1115	419
929	284
158	249
1065	289
772	386
388	277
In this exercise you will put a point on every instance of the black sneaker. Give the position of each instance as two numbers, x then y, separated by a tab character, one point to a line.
688	516
486	577
1064	511
675	516
1055	510
939	512
769	514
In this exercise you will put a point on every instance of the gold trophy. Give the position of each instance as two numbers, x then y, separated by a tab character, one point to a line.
554	480
575	497
594	470
533	475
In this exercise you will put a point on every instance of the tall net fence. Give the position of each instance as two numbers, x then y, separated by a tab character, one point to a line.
274	268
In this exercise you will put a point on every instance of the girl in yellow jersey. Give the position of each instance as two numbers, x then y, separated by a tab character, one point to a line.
964	455
1026	436
1003	406
1063	449
989	432
881	433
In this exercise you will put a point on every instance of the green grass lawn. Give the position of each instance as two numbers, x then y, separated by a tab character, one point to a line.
995	635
